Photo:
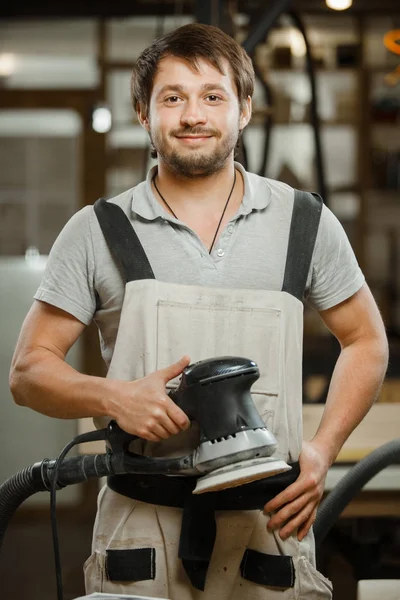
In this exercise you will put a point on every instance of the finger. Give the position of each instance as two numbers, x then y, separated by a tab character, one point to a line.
177	416
305	528
284	514
293	491
149	436
163	433
170	425
160	421
175	369
296	522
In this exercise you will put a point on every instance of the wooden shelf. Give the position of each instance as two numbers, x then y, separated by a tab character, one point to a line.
375	194
296	70
260	112
343	189
377	428
386	124
381	70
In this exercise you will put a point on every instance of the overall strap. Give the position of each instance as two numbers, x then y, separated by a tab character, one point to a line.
123	241
306	215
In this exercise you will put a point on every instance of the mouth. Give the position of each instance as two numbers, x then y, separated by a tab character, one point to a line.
193	138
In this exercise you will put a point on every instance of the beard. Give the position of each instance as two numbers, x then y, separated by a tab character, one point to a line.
196	162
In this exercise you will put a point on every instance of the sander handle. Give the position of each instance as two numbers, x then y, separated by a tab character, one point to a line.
216	394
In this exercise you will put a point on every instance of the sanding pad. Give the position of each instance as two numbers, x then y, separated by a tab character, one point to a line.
240	473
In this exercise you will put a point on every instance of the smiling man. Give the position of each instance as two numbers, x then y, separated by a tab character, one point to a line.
194	127
220	265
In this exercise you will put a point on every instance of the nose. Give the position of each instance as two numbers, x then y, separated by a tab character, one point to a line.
193	114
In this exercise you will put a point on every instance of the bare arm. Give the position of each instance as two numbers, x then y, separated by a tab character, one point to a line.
359	371
42	380
355	384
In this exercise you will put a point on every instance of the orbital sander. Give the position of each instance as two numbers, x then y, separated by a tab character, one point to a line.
235	446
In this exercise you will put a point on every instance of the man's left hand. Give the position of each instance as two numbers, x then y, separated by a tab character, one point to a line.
296	507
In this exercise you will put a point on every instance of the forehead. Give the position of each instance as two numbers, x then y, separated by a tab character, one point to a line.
173	70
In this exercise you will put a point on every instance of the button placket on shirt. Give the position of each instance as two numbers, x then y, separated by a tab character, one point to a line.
220	252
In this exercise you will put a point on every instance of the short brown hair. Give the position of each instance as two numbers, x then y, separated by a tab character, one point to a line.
192	42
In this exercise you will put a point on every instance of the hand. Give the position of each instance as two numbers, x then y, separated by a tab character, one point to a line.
146	410
296	506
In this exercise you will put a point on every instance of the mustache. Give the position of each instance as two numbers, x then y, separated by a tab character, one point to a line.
195	131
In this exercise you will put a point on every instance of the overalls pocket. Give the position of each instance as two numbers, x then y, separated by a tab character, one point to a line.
210	328
217	325
310	583
120	570
128	549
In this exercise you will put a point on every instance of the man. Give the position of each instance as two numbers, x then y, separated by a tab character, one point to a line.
217	239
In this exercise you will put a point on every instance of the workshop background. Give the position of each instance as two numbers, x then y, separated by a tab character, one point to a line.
325	120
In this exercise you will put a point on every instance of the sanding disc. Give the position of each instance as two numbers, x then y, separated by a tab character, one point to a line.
240	473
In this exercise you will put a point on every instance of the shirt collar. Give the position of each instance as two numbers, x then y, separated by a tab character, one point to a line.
257	196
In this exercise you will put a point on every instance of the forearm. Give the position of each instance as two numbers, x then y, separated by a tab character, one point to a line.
46	383
355	385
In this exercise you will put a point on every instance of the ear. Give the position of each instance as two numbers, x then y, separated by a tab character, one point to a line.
143	117
245	114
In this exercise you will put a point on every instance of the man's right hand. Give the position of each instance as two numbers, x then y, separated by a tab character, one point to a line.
146	410
41	379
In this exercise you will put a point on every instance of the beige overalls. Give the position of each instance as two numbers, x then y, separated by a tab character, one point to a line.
160	322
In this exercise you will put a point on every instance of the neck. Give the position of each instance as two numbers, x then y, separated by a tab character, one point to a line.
181	193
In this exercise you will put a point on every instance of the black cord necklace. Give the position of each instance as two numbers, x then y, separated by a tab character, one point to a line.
223	212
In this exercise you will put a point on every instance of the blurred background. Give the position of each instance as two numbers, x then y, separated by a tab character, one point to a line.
326	119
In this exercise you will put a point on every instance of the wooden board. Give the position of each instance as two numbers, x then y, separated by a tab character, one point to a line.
381	425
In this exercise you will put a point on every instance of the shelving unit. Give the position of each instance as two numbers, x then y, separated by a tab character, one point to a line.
369	212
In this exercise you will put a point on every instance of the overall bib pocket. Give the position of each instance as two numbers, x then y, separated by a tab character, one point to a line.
211	330
211	327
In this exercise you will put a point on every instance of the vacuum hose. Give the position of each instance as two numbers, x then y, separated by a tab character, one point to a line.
333	505
37	478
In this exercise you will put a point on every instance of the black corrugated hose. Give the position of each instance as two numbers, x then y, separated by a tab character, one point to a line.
14	491
37	478
359	474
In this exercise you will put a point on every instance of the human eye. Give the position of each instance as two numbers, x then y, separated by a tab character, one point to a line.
214	98
172	99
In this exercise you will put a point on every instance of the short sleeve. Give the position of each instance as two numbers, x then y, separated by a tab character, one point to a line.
68	280
334	274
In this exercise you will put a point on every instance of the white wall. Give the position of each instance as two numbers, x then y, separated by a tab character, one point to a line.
26	436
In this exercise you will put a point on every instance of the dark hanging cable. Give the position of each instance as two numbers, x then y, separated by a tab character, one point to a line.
268	121
315	120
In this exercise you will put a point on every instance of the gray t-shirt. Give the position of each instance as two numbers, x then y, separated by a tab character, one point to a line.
82	279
